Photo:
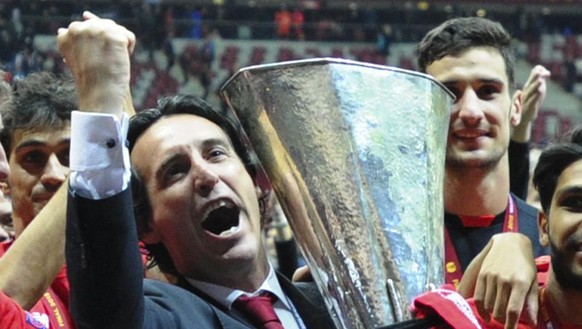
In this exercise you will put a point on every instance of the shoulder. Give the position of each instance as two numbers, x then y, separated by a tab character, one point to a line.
163	291
175	307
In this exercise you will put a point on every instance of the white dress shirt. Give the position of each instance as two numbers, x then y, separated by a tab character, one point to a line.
99	157
226	296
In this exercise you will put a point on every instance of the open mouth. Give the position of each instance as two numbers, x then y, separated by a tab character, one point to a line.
470	134
222	219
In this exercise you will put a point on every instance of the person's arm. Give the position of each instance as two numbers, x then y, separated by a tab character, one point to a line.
519	169
32	262
103	259
533	94
502	280
97	52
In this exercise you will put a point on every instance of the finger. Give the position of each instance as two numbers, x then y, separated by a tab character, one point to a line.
89	15
468	283
61	37
490	295
532	305
302	274
510	325
479	297
542	71
514	306
532	74
131	41
501	302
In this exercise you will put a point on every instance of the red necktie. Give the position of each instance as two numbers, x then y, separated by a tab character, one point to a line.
259	310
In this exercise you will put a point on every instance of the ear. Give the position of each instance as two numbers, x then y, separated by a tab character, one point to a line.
543	229
516	108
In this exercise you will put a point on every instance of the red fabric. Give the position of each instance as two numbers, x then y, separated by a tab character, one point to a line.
543	266
492	324
259	310
12	315
477	221
51	311
449	305
454	309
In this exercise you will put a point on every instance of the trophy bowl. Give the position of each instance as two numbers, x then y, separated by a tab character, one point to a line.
355	154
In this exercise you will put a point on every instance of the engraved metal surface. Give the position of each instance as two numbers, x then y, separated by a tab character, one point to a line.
355	153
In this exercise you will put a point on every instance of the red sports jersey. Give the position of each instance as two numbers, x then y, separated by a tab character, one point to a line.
50	312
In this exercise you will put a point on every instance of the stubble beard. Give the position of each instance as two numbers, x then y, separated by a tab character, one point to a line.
562	263
461	160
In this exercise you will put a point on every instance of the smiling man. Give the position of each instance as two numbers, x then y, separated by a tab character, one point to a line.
558	179
196	206
473	58
36	137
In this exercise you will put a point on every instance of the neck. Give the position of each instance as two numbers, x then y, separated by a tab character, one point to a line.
565	303
254	280
247	279
475	191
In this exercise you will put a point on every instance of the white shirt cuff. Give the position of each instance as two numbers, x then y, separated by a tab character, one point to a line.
99	157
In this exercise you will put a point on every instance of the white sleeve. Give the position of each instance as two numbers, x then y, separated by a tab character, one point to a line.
99	157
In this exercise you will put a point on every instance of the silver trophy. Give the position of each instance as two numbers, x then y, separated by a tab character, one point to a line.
355	153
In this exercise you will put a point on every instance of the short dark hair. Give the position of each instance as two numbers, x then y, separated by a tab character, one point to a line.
139	123
552	162
39	100
457	35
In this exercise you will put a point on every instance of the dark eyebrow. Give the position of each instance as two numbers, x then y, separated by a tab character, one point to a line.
176	156
493	81
569	190
484	81
37	143
216	141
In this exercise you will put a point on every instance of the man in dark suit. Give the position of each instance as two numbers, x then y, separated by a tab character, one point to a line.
197	206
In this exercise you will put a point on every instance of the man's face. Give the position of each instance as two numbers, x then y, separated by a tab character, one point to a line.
39	164
563	230
204	203
479	128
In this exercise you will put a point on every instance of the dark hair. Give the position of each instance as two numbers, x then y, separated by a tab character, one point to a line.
457	35
139	123
552	162
39	100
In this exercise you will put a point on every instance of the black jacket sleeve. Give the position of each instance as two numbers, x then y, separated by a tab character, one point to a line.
103	263
518	154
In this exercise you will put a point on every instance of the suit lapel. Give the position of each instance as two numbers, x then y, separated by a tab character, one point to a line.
308	302
226	320
305	297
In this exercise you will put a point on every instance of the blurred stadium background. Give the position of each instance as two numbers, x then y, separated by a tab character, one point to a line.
194	46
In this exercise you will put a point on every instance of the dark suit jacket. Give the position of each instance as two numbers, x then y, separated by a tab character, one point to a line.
107	286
